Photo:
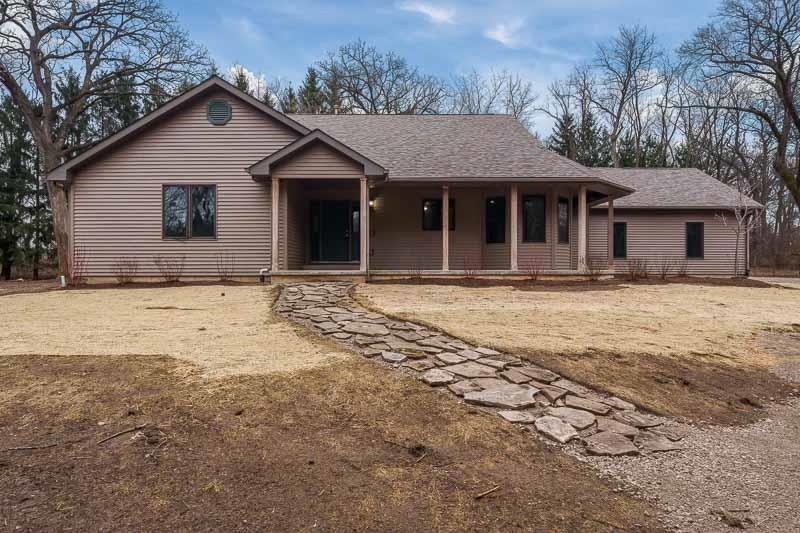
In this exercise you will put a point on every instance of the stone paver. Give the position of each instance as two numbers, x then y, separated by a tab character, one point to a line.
574	417
587	405
471	369
437	377
520	393
609	443
556	429
507	397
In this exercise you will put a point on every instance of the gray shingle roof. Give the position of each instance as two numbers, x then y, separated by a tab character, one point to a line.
447	146
672	188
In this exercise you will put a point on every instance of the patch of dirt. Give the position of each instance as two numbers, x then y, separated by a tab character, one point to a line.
226	329
685	350
7	288
555	285
344	447
704	390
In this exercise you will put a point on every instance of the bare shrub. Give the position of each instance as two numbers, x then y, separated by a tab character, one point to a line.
637	268
680	267
226	265
125	269
665	266
77	274
415	272
533	269
594	269
470	270
170	267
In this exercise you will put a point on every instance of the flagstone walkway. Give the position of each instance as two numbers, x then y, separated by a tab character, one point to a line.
554	407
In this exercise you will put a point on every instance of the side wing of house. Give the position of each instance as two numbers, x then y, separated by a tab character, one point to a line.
118	201
658	236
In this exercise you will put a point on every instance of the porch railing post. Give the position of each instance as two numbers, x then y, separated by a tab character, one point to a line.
514	219
445	228
364	225
611	234
582	229
275	207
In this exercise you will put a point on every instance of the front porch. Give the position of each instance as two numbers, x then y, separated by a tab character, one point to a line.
358	228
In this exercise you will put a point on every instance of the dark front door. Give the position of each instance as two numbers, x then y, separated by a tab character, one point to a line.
334	231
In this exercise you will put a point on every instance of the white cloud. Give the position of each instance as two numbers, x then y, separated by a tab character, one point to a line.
244	28
507	33
436	14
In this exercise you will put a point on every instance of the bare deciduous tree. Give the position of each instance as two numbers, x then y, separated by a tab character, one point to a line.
373	82
624	67
497	92
44	44
756	45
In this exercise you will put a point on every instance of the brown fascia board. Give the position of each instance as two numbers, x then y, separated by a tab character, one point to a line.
604	206
554	179
61	172
264	167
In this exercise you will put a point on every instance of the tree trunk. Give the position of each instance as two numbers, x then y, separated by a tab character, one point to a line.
5	272
60	208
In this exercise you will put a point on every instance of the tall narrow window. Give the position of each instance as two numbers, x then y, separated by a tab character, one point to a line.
204	210
189	211
694	240
620	240
495	220
534	210
563	221
176	202
432	214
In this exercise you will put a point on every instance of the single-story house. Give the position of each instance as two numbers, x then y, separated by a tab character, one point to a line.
219	183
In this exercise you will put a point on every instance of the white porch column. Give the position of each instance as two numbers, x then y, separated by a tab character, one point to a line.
582	229
275	206
514	219
445	228
611	234
364	225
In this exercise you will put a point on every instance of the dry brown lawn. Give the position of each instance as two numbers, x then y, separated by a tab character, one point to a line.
225	329
683	349
227	443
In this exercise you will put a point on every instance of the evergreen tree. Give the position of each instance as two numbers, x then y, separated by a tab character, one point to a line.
289	102
241	80
593	146
311	97
121	107
563	140
332	94
15	179
155	96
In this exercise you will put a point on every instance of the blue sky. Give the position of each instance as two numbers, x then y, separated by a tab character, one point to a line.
541	40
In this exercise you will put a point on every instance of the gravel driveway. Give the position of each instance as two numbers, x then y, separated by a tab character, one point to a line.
726	476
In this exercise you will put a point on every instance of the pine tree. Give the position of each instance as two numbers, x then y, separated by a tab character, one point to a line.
154	97
15	179
593	146
121	107
563	139
241	80
332	94
311	98
289	102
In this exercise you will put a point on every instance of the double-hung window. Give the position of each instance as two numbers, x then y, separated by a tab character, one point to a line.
189	211
694	240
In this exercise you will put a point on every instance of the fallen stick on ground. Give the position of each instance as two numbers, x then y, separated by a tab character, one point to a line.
23	448
115	435
487	492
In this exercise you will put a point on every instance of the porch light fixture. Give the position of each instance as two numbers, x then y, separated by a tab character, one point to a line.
372	203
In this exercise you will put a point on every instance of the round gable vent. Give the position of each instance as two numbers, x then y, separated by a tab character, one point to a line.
219	112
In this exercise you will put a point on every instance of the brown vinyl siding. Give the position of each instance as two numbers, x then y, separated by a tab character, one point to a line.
397	239
296	217
117	202
657	235
318	162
